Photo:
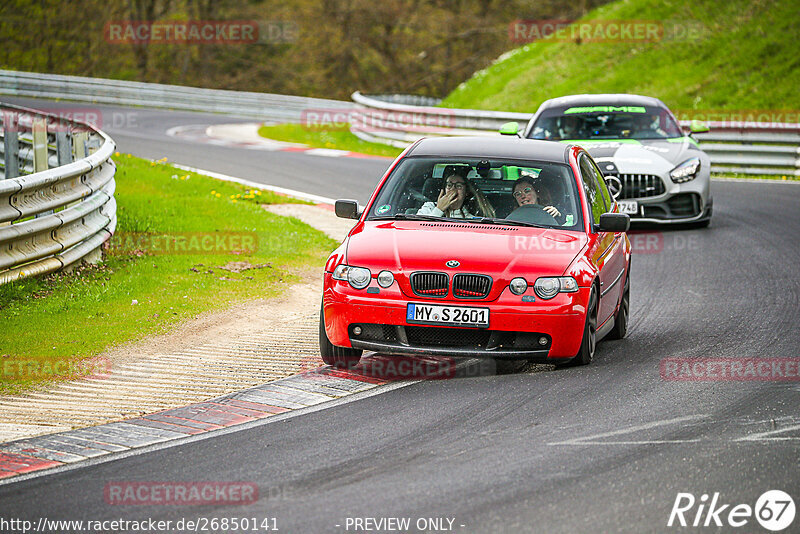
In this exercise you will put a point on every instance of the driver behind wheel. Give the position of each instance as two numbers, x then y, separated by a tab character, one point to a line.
526	192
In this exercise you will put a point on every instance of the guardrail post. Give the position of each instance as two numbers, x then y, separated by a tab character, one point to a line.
39	131
11	144
63	148
79	144
40	151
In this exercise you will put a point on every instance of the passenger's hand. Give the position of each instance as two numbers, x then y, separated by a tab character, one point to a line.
446	199
552	211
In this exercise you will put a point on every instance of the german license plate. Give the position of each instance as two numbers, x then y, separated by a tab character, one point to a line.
631	207
417	313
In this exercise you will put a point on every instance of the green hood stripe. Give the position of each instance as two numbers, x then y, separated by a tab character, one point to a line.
601	141
683	139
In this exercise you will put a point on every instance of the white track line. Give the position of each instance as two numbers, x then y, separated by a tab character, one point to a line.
589	440
291	192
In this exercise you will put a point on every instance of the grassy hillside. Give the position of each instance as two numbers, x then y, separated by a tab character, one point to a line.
746	57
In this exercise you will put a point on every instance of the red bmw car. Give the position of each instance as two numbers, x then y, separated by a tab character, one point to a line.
503	248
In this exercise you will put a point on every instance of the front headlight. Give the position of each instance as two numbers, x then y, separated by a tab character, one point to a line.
518	286
550	286
385	279
685	171
357	277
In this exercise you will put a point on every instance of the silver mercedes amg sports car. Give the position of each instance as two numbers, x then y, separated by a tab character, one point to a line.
657	173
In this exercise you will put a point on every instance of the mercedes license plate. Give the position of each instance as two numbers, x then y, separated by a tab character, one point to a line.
631	207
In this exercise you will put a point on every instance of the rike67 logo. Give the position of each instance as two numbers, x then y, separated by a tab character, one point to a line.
774	510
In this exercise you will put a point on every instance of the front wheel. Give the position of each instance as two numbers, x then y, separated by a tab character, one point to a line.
589	344
346	357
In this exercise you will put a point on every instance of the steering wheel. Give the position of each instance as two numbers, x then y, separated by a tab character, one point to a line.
532	213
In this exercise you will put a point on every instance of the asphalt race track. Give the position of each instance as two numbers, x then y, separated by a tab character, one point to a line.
143	132
605	448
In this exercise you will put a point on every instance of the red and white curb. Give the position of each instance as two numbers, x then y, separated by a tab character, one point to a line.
212	135
300	391
308	390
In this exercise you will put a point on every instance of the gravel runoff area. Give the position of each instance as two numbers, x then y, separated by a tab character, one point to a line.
214	354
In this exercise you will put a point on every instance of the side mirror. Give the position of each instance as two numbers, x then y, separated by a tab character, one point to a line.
698	127
614	222
347	209
509	128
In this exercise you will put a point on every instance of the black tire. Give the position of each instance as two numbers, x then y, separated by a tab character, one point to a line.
589	343
620	329
345	357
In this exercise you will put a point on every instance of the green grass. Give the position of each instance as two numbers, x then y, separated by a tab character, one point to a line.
782	178
68	318
321	138
745	58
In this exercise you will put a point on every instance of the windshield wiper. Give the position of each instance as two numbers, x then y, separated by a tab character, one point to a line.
506	222
474	220
405	217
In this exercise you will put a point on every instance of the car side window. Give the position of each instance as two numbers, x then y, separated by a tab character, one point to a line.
592	188
603	186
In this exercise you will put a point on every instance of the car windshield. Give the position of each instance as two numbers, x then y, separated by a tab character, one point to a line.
605	122
481	191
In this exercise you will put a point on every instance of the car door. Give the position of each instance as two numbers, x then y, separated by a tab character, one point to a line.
618	255
608	255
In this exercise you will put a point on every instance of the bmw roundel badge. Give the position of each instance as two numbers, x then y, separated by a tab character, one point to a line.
453	264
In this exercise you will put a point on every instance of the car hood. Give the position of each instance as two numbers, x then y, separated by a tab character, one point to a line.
631	156
502	252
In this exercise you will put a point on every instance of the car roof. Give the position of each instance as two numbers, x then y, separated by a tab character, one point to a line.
618	99
492	147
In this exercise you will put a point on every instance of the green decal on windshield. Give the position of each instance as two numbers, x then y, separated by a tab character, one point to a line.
601	141
510	172
606	109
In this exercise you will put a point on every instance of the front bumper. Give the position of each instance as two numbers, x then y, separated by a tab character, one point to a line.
679	209
687	202
515	327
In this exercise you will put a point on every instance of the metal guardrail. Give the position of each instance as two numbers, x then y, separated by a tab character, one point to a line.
257	106
756	148
51	218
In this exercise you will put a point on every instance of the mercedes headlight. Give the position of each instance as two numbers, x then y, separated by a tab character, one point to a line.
685	171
